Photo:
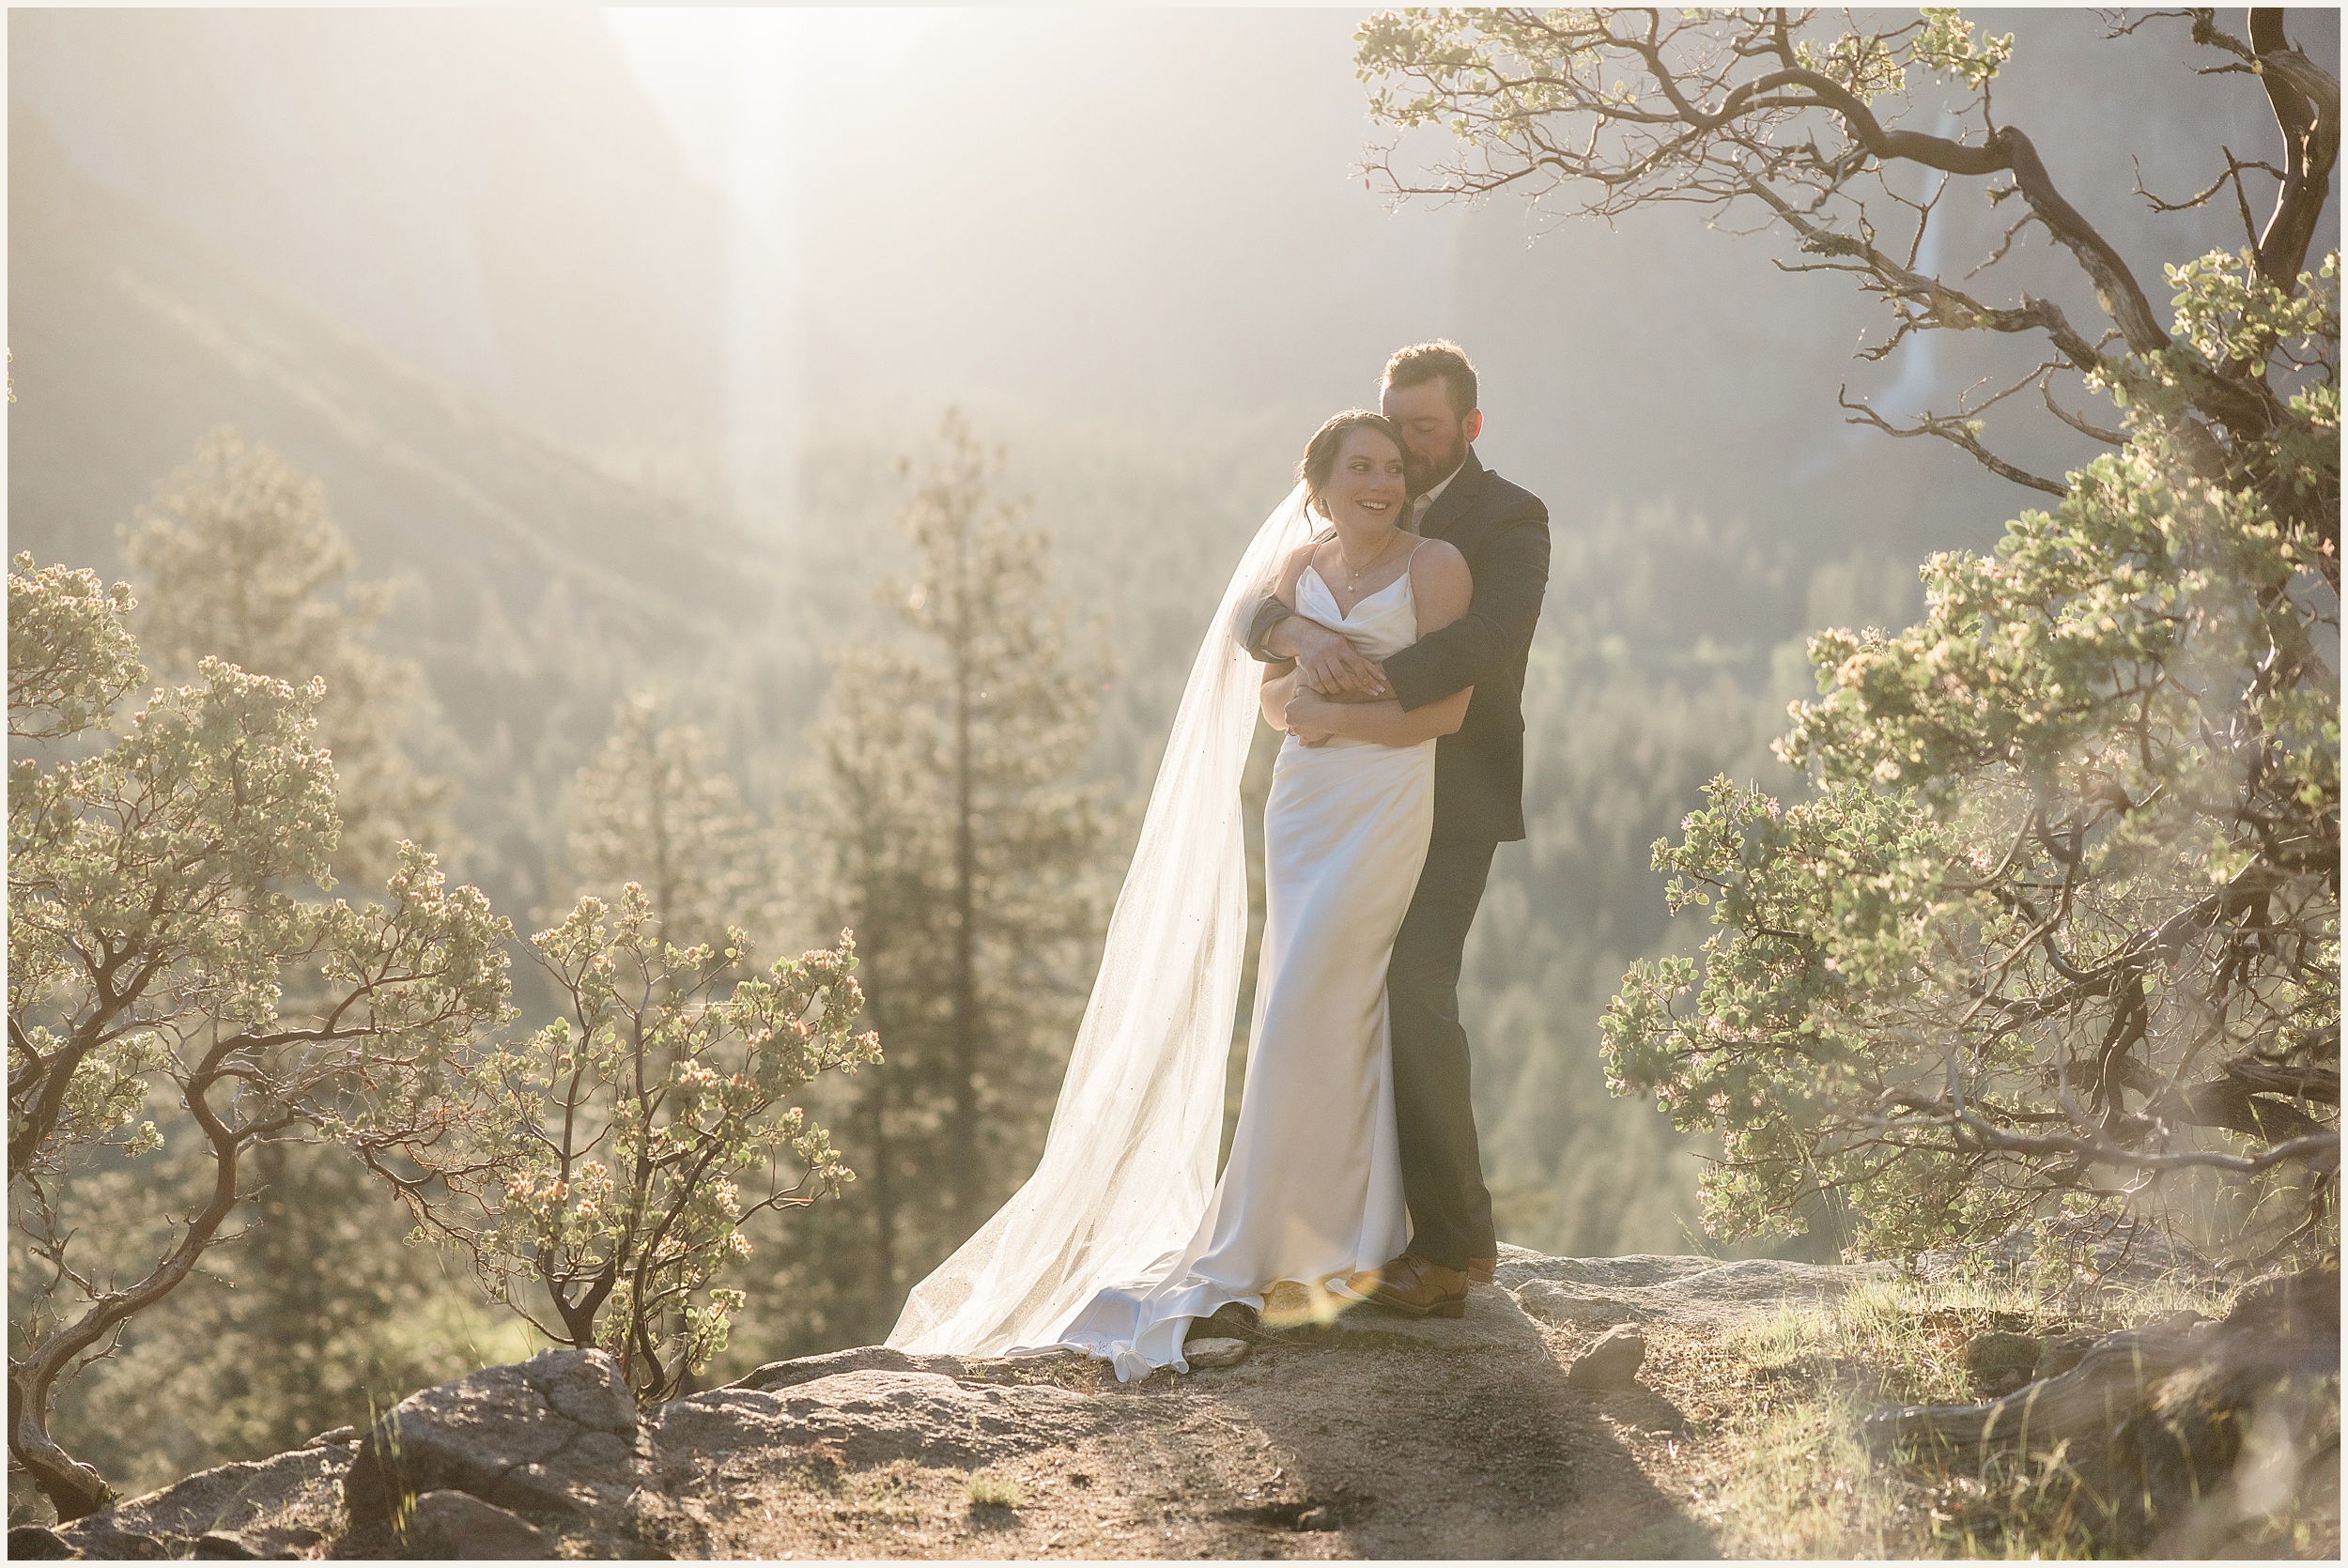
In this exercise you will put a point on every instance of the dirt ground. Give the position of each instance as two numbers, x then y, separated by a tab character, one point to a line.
1335	1451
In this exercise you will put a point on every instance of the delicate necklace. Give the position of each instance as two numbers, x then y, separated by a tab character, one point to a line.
1384	550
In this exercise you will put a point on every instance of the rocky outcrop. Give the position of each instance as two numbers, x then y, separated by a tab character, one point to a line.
1611	1364
519	1460
497	1462
223	1500
551	1456
866	1418
556	1434
459	1527
864	1358
1596	1293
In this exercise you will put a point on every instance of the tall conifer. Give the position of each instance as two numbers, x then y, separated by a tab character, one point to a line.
239	558
962	849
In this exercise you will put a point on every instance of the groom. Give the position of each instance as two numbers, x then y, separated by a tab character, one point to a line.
1503	530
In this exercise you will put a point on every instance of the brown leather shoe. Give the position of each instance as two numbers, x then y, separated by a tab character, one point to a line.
1479	1269
1414	1286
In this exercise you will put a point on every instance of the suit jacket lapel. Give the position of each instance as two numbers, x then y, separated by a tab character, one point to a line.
1454	498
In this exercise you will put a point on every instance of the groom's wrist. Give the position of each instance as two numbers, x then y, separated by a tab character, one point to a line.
1276	642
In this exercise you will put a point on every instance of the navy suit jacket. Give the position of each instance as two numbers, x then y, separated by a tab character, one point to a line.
1503	530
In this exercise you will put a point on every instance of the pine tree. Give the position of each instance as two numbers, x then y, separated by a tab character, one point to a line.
656	807
962	849
241	560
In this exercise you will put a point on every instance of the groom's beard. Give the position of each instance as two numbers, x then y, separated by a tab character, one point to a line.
1420	474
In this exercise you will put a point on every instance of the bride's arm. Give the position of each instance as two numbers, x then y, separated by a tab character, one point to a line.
1279	685
1282	634
1282	680
1440	584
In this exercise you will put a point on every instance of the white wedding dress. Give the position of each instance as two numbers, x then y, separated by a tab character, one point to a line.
1314	1184
1124	1235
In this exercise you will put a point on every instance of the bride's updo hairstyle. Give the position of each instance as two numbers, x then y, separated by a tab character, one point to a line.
1321	454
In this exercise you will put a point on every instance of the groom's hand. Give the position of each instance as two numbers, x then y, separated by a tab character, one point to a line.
1326	660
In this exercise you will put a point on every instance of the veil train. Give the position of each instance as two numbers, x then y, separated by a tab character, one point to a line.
1129	1164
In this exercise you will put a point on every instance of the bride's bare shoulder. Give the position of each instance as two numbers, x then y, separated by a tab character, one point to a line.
1293	568
1438	562
1441	583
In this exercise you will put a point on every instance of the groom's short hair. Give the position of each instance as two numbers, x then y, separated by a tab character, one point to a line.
1425	362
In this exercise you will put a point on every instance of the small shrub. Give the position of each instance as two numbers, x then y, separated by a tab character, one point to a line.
595	1173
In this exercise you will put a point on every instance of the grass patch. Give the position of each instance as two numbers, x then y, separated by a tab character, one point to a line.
1774	1406
989	1490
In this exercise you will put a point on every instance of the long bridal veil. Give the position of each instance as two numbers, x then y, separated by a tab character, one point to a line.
1128	1167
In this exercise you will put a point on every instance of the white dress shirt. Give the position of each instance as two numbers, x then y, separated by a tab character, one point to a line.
1426	504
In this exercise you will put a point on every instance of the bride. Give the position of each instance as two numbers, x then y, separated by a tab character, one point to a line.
1122	1237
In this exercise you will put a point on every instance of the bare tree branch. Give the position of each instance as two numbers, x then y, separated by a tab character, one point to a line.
1957	430
2305	101
1607	111
2079	421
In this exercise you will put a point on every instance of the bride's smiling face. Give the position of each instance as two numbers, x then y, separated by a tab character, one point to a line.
1367	489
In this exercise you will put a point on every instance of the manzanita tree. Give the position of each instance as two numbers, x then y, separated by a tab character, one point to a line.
71	659
173	957
160	894
2062	916
594	1173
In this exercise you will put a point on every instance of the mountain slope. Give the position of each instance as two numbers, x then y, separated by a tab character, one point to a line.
541	585
486	192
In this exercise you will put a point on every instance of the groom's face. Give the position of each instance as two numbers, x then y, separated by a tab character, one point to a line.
1438	437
